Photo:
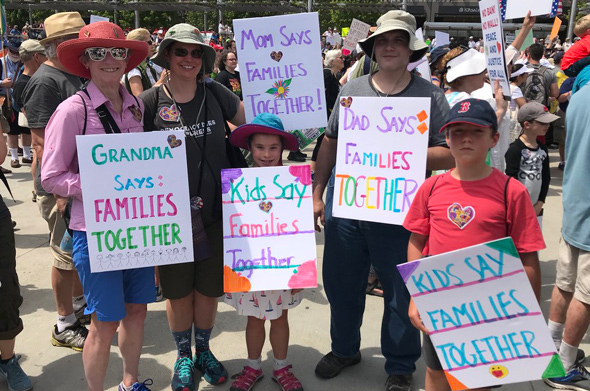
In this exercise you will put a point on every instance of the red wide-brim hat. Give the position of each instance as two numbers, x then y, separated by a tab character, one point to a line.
102	35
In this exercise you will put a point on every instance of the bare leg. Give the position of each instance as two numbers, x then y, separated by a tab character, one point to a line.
577	322
255	336
96	352
7	348
62	283
204	311
279	336
12	141
436	381
77	289
131	341
180	313
560	301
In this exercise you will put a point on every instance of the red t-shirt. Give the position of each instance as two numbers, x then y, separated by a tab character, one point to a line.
576	52
460	214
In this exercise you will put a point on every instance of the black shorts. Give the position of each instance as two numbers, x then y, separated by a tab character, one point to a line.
10	299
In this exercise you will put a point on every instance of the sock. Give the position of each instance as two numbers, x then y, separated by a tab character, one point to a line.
280	364
14	153
567	353
202	339
65	321
78	302
183	342
124	387
556	331
4	362
27	152
255	364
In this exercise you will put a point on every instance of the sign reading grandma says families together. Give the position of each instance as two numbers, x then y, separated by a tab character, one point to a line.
493	37
483	317
269	239
381	157
281	69
136	199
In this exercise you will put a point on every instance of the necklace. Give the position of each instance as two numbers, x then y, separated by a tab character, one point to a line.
380	94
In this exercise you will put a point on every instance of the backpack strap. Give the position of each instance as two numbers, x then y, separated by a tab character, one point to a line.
85	110
506	203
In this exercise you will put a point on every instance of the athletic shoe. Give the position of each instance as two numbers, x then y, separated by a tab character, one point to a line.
577	379
286	379
72	337
159	294
246	379
580	357
561	166
82	318
213	371
15	376
331	365
27	160
398	383
183	378
137	386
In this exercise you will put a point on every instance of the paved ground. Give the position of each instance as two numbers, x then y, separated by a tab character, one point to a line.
52	368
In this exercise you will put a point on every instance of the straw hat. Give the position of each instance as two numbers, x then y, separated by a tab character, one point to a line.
99	34
62	24
396	20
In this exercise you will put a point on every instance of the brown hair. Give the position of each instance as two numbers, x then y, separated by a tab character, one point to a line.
455	52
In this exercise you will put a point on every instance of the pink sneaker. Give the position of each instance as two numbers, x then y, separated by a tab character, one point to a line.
286	379
246	379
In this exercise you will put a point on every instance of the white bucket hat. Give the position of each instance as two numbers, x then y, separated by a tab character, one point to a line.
470	62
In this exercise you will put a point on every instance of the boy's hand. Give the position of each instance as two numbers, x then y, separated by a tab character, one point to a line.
415	317
319	209
538	207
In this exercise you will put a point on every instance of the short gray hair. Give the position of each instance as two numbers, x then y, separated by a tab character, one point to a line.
331	55
51	46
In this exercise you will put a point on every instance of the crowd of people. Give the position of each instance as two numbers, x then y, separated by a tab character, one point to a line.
483	151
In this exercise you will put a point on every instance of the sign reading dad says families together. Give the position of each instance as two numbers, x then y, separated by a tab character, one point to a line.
483	317
136	199
280	69
381	158
269	239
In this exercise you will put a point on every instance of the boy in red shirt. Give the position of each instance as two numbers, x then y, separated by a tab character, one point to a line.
578	56
471	204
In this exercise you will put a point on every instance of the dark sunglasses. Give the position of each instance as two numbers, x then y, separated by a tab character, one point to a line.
182	52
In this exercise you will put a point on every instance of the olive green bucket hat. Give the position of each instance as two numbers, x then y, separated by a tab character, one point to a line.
185	33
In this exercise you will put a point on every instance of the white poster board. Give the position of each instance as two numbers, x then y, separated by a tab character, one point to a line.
281	69
519	8
493	41
381	157
358	30
96	18
421	64
268	229
483	317
136	199
441	39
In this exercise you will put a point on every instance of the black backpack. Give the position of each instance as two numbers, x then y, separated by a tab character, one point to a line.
535	89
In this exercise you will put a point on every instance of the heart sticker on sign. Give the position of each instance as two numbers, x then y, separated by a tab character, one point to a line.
499	47
276	56
346	102
173	142
265	206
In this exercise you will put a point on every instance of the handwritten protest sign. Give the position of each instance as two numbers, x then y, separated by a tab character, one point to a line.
358	30
269	239
281	70
483	317
493	38
136	199
519	8
381	157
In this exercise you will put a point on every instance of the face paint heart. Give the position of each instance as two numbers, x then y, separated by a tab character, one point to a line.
276	56
265	206
173	142
346	102
169	114
460	216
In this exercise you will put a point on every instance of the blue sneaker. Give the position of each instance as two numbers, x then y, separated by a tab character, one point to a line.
211	368
183	378
137	386
15	376
577	379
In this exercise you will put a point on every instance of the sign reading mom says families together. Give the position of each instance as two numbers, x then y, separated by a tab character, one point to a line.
269	238
136	199
381	157
280	69
483	317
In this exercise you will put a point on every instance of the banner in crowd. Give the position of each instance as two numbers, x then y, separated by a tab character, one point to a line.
493	42
519	8
281	69
358	30
381	158
268	229
136	199
482	315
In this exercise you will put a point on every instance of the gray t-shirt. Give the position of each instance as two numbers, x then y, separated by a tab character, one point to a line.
47	88
417	88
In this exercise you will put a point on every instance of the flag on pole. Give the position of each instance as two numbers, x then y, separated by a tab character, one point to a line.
4	26
556	8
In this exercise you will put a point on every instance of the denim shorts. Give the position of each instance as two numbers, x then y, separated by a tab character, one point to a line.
107	293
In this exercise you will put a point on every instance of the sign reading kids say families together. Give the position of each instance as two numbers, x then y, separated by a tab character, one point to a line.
136	199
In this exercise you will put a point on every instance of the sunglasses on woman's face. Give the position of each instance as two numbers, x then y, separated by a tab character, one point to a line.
182	52
99	54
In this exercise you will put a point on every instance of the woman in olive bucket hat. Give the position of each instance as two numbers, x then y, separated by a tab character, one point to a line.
347	258
201	107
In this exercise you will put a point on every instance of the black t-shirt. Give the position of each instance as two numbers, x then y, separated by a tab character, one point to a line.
231	81
332	86
220	105
19	87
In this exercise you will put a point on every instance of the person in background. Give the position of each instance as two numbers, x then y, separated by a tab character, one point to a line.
436	64
228	75
146	74
518	76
